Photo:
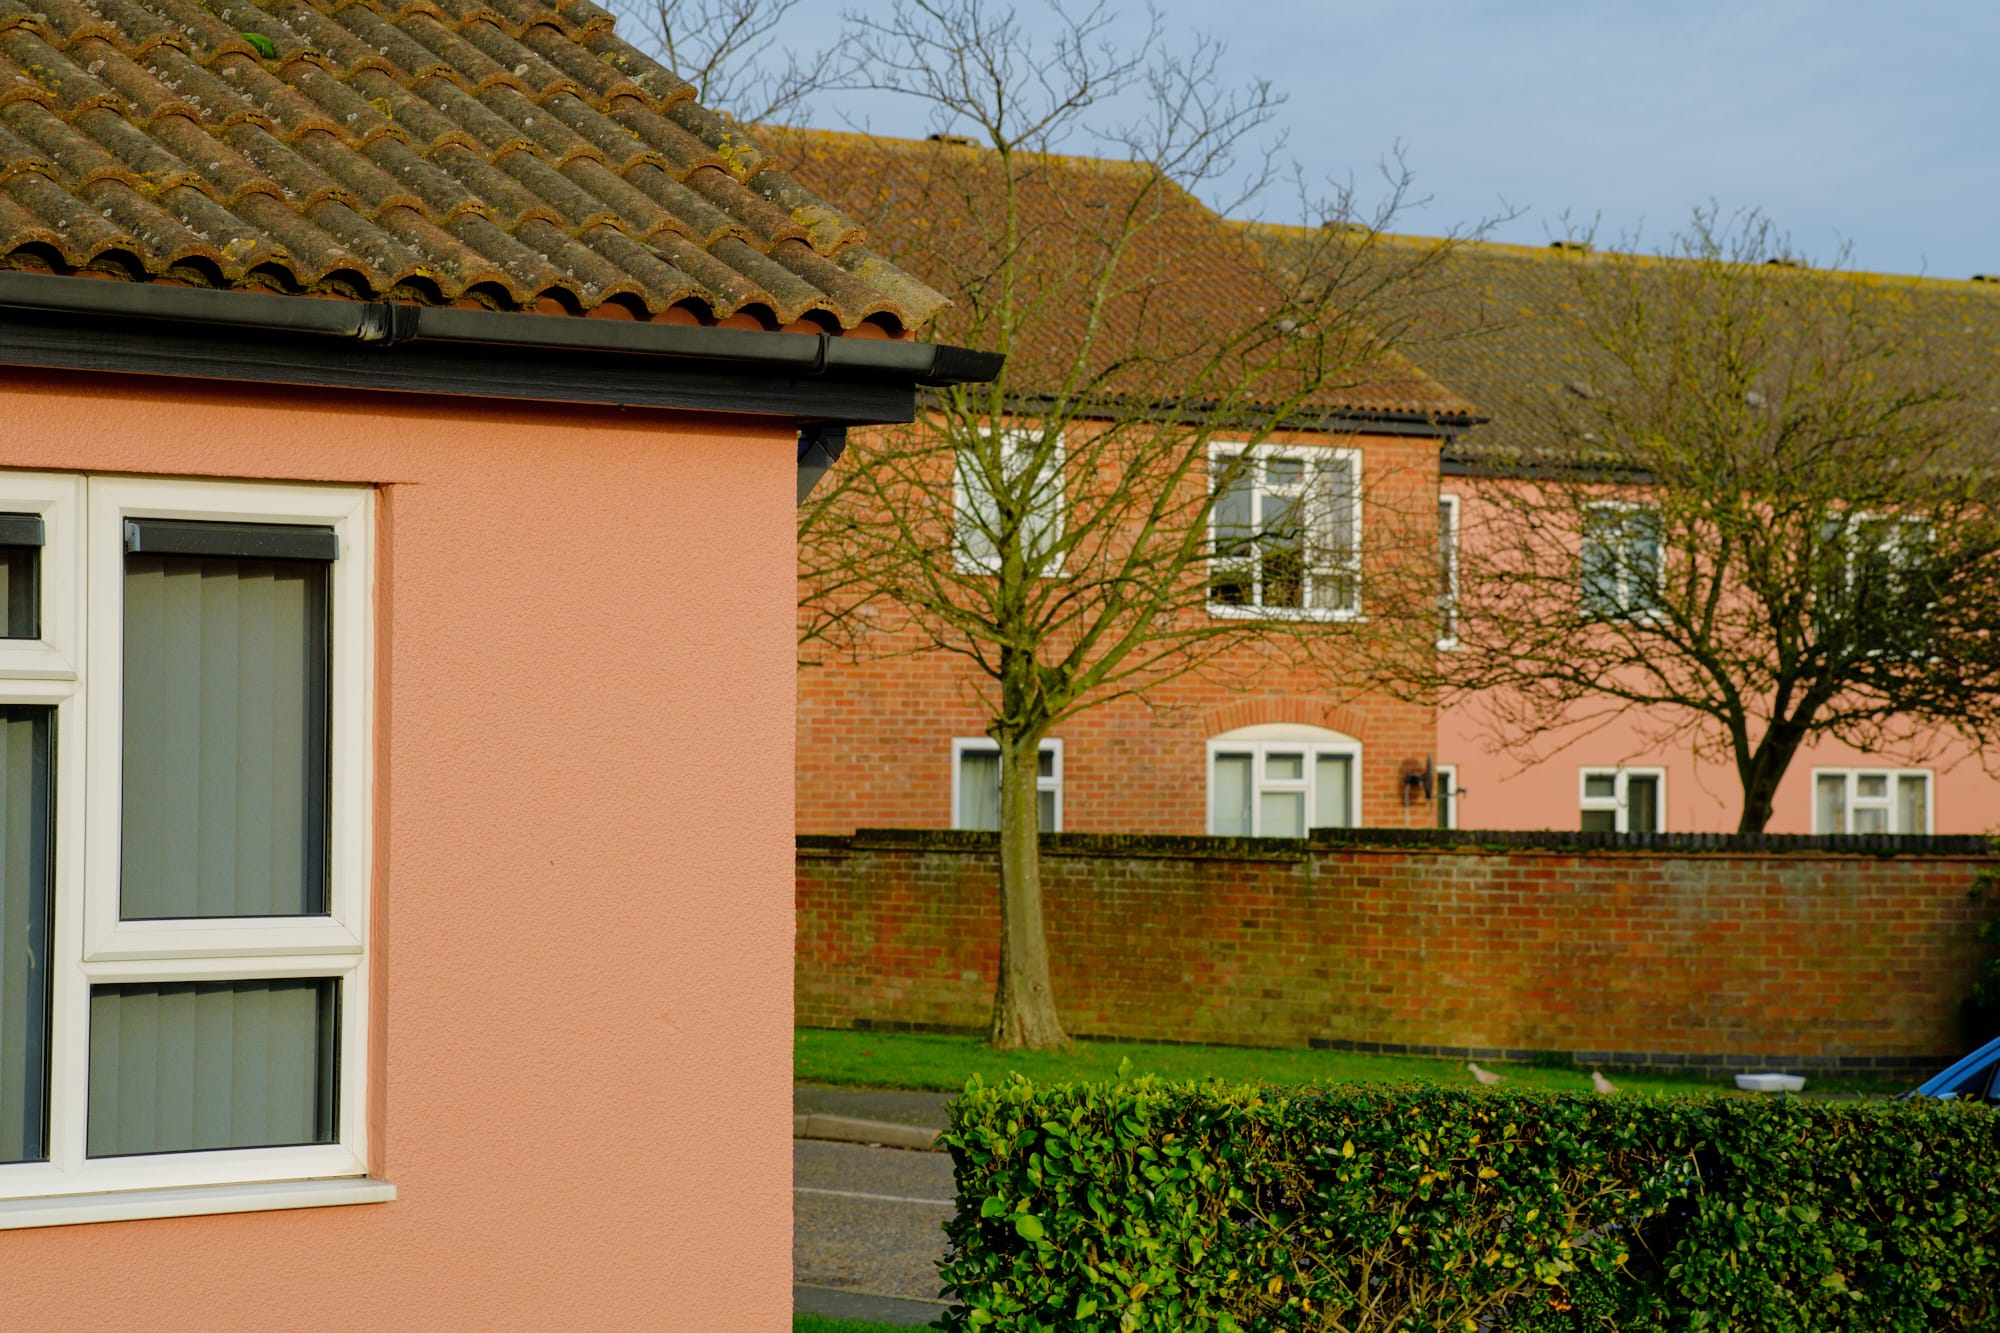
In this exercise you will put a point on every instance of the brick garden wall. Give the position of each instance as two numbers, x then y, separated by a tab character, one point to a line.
1709	960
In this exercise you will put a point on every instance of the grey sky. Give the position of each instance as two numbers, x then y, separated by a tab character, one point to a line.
1869	123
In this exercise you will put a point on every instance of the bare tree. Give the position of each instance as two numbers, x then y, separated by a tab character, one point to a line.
1072	530
1762	511
730	51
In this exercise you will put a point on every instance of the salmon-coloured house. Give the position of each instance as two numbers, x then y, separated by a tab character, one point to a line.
896	737
402	416
1503	341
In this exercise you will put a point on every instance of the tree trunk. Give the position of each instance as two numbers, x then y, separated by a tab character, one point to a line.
1024	1004
1763	773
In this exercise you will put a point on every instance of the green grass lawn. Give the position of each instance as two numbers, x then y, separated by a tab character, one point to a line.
943	1064
812	1323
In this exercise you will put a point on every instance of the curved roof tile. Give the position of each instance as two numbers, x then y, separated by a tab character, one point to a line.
501	151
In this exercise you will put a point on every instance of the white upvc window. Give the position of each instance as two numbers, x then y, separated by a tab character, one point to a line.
1448	515
1280	781
1623	800
1621	572
975	784
1285	532
184	793
1871	800
976	519
1447	796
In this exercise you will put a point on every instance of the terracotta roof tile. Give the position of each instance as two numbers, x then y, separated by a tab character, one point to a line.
1497	322
1190	273
511	152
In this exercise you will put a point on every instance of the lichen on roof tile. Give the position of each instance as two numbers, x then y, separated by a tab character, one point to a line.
503	151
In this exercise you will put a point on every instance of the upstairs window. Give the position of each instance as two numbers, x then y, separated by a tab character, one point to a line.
1620	562
975	799
1282	781
1623	800
1448	509
1286	530
1871	800
979	527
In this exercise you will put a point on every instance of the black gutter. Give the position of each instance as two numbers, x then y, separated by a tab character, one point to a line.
1356	421
87	324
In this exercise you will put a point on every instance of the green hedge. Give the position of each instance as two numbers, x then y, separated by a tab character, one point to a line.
1149	1206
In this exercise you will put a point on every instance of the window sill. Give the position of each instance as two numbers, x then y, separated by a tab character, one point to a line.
1237	611
132	1205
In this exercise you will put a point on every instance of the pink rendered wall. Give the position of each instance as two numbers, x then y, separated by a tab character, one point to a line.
583	889
1537	785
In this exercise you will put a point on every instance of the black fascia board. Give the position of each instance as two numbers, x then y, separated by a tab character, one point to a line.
71	323
1362	421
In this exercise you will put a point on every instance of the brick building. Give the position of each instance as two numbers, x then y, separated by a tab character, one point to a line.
1246	745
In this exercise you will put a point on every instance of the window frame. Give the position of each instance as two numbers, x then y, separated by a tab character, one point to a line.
963	745
1889	804
1258	746
1446	795
1312	455
1624	612
1449	530
1619	803
92	946
1011	442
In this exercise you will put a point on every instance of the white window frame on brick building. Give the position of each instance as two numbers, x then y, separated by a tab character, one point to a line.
1449	511
1843	798
1259	775
1617	802
969	792
974	519
1323	485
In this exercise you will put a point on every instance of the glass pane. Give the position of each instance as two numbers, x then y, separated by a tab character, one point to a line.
24	933
1282	814
1284	553
1229	793
1232	580
1045	763
1642	805
184	1066
1284	767
1447	816
1830	803
1913	799
1600	821
1599	566
226	713
1283	472
1600	786
21	591
979	789
1045	810
980	516
1871	786
1331	773
1870	820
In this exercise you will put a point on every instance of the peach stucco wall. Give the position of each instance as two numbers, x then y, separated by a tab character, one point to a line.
583	893
1521	787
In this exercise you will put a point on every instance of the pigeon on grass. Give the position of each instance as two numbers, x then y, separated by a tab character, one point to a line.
1487	1078
1599	1083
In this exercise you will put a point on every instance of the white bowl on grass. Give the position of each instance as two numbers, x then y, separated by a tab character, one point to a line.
1770	1082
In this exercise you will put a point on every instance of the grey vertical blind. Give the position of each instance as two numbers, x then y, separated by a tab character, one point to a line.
1332	791
1231	794
21	575
979	789
214	1064
225	737
24	933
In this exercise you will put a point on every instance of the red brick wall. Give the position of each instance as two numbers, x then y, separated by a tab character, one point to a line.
1714	960
874	737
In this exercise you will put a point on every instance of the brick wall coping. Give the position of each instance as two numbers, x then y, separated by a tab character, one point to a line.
1181	847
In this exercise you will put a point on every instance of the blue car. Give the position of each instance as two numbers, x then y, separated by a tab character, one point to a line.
1972	1078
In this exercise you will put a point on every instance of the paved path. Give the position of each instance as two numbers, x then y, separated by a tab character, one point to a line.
867	1231
925	1109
